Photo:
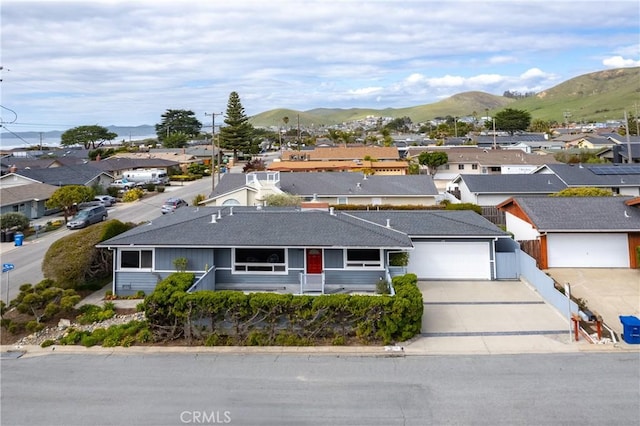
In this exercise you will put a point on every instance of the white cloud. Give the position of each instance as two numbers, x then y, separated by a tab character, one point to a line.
620	62
130	61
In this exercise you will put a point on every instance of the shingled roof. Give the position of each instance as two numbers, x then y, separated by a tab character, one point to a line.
578	214
512	183
340	184
251	227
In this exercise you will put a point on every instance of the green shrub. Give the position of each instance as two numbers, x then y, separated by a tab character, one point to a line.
73	261
92	313
382	287
73	337
399	259
160	189
44	300
47	343
14	220
464	206
88	341
33	326
638	257
233	317
134	194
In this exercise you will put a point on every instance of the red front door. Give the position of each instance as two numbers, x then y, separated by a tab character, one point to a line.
314	261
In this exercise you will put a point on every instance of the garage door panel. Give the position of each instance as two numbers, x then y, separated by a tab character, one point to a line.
451	260
587	251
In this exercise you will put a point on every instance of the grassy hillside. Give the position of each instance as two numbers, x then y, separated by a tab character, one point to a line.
596	96
462	104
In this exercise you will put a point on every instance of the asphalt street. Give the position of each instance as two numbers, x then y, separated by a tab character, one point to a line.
281	389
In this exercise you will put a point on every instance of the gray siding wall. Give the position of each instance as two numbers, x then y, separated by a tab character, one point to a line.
358	277
226	277
223	257
199	259
128	283
296	258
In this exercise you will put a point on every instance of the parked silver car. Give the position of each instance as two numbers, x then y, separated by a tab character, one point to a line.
172	204
107	200
88	217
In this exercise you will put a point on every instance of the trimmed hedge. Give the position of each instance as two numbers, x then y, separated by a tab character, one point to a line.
234	318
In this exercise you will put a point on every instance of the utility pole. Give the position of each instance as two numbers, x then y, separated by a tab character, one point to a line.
626	125
299	141
213	150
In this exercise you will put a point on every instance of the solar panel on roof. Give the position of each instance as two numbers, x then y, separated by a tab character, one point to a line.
616	170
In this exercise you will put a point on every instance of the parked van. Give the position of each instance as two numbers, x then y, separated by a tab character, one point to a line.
89	216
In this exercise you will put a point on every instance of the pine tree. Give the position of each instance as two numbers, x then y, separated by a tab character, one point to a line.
237	134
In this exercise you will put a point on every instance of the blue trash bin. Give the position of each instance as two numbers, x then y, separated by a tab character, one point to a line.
18	238
630	329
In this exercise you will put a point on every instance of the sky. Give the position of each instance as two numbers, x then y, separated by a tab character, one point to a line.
124	63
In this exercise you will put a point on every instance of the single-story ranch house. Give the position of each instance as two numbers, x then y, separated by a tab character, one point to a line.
308	249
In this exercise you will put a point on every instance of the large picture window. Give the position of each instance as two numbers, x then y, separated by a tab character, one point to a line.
136	259
259	260
363	258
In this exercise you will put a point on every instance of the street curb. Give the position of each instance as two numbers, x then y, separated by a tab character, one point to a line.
369	351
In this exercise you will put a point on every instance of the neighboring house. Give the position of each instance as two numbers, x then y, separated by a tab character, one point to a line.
179	156
593	142
571	138
375	159
619	154
577	232
119	166
621	179
333	188
27	198
78	174
376	167
340	153
491	190
527	142
303	250
474	160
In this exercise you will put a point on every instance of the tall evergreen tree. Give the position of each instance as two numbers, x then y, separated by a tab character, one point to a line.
237	134
178	121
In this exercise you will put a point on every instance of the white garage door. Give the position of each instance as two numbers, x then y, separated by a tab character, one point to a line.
451	260
587	251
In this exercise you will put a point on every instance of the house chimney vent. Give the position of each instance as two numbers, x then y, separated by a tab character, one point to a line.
332	211
388	223
213	218
219	214
230	211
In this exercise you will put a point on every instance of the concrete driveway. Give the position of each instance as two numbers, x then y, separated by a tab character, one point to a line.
608	292
488	317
